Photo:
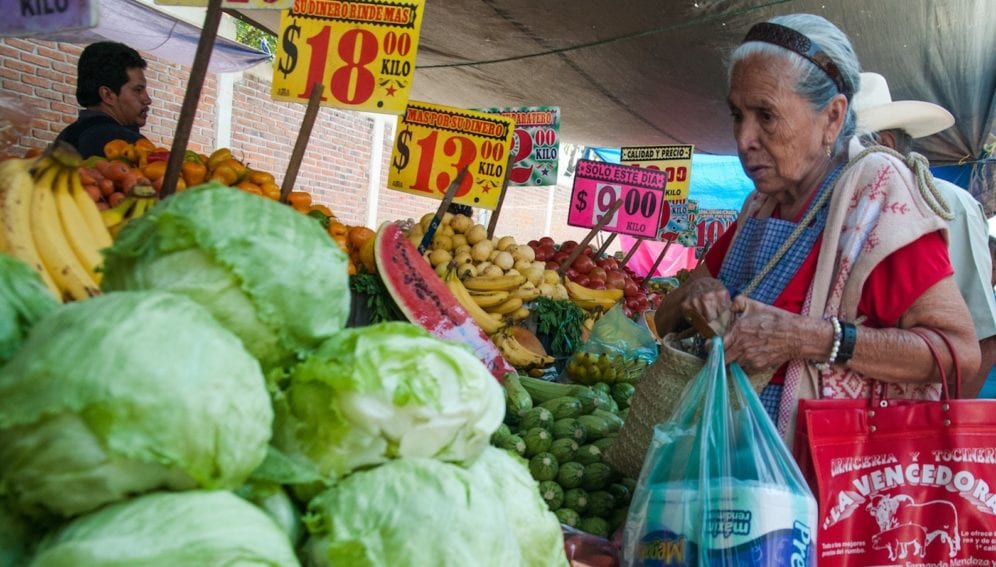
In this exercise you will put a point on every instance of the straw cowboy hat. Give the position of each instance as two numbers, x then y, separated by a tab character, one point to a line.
877	111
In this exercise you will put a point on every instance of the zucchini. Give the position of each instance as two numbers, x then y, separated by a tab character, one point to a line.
545	390
564	406
615	422
605	442
538	440
595	526
564	449
601	503
536	417
568	517
586	454
513	443
552	494
576	499
621	492
595	427
543	467
502	432
596	476
518	400
622	393
570	475
570	428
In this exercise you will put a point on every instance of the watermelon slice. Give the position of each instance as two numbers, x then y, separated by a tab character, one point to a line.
426	301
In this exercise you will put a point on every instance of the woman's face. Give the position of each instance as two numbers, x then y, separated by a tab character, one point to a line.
781	139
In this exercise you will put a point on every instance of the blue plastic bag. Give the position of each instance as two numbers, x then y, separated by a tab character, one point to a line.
718	486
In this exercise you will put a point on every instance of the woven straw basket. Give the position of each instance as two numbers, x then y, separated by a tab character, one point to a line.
655	399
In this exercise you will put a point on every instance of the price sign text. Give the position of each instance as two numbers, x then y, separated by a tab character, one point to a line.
435	142
536	146
363	52
675	160
597	185
26	18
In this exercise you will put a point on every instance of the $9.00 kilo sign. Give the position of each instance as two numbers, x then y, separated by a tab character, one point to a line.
434	143
363	52
597	185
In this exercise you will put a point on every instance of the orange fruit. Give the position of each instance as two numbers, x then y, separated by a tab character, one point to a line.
260	177
360	235
270	191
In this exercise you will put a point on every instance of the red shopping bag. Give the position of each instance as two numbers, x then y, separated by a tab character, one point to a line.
901	482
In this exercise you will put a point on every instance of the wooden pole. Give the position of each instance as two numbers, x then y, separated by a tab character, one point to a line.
591	234
636	246
493	223
605	245
657	262
188	111
301	144
445	204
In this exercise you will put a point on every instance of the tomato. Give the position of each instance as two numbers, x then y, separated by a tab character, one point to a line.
583	264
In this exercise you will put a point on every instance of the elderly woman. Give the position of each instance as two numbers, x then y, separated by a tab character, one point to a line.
837	259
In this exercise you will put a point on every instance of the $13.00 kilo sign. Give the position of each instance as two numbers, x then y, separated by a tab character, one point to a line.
363	52
434	143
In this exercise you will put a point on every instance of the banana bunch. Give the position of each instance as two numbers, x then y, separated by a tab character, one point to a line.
517	354
491	324
132	207
504	296
50	222
592	299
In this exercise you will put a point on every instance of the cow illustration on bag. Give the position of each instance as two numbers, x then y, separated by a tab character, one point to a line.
905	526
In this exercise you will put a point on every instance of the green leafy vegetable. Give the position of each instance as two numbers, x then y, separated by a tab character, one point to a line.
371	394
379	304
266	272
23	300
123	394
167	530
411	512
561	320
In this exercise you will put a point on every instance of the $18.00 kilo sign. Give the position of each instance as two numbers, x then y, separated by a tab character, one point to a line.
434	143
363	52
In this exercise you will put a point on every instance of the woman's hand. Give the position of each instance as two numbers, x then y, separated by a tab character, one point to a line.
708	297
763	337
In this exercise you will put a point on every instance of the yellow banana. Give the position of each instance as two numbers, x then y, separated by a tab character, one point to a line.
518	355
519	314
494	283
91	214
116	214
594	304
509	306
57	255
576	291
16	188
526	292
489	298
75	229
489	323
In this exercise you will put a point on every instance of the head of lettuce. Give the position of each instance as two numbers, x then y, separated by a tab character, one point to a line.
376	393
266	272
127	393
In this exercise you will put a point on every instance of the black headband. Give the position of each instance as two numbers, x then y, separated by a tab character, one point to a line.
797	42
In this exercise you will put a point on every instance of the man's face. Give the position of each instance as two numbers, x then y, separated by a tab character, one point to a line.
130	107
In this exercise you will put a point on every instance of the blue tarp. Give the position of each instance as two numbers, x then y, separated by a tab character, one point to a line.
718	182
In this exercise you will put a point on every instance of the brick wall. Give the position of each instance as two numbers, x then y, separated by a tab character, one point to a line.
334	169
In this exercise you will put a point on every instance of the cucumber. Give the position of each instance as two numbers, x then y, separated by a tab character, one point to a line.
604	443
622	393
538	440
601	503
571	475
594	526
545	390
513	443
518	400
568	517
536	417
564	406
576	499
544	467
569	428
586	454
552	494
564	449
615	422
595	427
596	476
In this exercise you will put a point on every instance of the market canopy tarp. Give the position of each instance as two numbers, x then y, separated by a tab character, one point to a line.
150	31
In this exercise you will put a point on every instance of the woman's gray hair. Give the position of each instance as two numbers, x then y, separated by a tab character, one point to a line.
812	83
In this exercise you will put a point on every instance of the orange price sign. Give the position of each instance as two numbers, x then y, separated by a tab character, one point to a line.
363	52
433	143
675	160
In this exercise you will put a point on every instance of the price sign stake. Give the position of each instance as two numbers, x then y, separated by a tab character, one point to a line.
636	246
597	185
493	223
657	262
591	234
445	204
434	142
362	51
301	144
605	245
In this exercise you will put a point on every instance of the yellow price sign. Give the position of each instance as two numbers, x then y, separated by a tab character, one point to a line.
434	143
363	52
675	160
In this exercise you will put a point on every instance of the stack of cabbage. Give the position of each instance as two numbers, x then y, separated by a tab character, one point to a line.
215	366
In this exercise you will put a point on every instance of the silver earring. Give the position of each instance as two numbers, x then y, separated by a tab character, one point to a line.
829	151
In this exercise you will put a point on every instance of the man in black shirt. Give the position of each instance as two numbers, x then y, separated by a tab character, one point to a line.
111	88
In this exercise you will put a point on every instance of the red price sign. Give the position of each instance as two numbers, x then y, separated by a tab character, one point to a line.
711	224
597	185
363	52
675	160
434	143
536	147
